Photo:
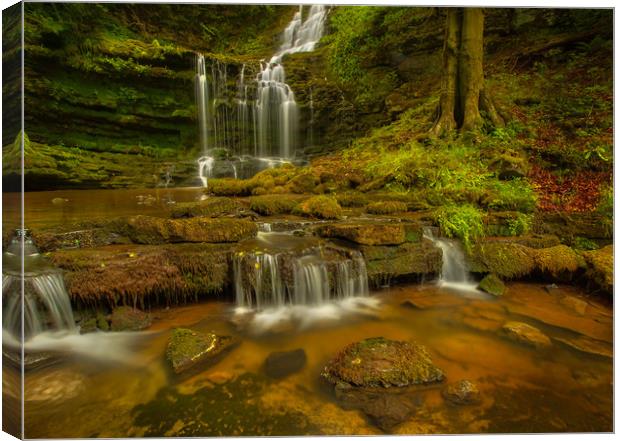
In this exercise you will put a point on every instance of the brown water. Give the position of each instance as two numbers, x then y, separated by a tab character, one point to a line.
523	389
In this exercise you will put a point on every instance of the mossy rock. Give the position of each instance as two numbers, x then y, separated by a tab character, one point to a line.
231	187
409	261
303	183
386	207
154	230
505	259
379	362
126	318
187	348
568	226
352	199
322	207
210	207
559	261
366	233
492	285
525	334
600	267
268	205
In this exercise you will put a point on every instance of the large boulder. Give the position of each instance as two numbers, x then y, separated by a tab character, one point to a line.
187	348
154	230
366	233
379	362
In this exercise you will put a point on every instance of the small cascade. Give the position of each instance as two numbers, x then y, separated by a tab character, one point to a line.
205	168
46	301
454	271
281	270
202	101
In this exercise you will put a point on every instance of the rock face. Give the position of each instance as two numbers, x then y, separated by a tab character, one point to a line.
154	230
188	348
379	362
461	392
282	364
366	233
406	261
526	334
126	318
492	285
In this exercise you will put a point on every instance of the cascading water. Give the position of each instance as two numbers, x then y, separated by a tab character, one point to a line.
279	276
277	111
239	135
454	271
48	321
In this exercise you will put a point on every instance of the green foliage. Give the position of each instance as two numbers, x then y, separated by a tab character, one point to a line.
521	224
463	222
386	207
514	195
584	244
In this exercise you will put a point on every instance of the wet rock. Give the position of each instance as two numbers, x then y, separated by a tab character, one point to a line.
187	348
385	408
551	287
493	285
282	364
366	233
154	230
162	274
89	325
505	259
126	318
527	334
588	346
570	225
600	268
82	235
461	392
409	261
574	304
379	362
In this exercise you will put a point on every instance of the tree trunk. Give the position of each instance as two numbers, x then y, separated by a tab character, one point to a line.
462	95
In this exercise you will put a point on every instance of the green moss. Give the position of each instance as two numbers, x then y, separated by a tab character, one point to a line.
323	207
600	267
505	259
493	285
386	207
269	205
303	183
558	261
231	187
352	199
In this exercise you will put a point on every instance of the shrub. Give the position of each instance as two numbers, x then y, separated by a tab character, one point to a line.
463	222
323	207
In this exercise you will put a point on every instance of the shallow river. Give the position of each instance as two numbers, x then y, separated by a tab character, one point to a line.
566	387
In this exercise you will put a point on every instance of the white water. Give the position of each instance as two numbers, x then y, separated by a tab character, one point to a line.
293	271
454	272
277	111
205	168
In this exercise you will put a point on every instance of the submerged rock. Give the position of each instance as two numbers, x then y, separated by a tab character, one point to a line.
461	392
126	318
282	364
379	362
527	334
492	285
588	346
188	348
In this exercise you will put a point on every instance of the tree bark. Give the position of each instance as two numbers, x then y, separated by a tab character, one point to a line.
462	84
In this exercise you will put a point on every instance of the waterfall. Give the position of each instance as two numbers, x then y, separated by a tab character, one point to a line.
205	167
45	299
281	269
202	101
454	270
276	108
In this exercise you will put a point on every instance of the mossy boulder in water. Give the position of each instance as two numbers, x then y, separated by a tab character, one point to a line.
268	205
559	261
600	267
379	362
366	233
492	285
126	318
154	230
187	348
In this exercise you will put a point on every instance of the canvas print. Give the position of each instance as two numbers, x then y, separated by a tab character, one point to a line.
283	220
